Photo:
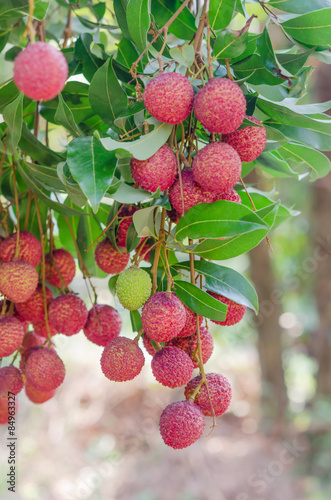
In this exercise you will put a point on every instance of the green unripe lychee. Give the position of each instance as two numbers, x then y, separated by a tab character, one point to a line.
133	288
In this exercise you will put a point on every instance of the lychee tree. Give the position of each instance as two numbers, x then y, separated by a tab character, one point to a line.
128	130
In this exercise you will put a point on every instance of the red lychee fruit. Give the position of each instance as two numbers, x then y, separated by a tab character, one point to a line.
40	71
220	106
217	167
219	390
109	259
122	360
190	344
231	195
37	396
27	352
6	410
190	326
33	309
158	171
249	142
30	248
31	339
181	424
10	380
18	280
44	370
163	316
15	314
40	328
104	323
172	367
143	249
148	345
169	97
192	193
60	269
11	335
68	314
123	227
235	312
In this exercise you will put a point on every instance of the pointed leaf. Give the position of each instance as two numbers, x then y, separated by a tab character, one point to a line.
137	17
300	6
199	301
220	13
183	26
13	116
298	154
312	28
64	117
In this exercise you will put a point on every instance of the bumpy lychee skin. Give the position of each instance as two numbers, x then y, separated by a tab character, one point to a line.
109	259
190	326
4	413
10	380
36	396
220	106
148	345
158	171
217	167
189	345
104	323
40	71
44	370
11	335
173	215
235	312
122	360
126	212
31	339
60	269
163	317
41	329
169	97
133	288
33	309
192	193
219	390
68	314
30	248
18	280
231	195
172	367
249	142
181	424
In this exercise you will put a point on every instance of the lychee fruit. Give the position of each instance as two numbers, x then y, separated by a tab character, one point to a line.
133	288
37	396
104	323
44	370
122	360
33	309
68	314
41	329
126	212
169	97
60	268
24	323
249	142
29	248
235	312
172	367
148	345
181	424
40	71
158	171
217	167
32	339
11	335
18	280
5	410
231	195
192	193
163	316
190	326
10	380
219	391
220	106
190	344
109	259
27	352
143	249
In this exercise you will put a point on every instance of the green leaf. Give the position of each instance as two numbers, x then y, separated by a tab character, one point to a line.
228	45
143	221
87	232
30	145
112	284
127	54
132	110
83	53
275	139
120	13
135	318
293	62
138	20
312	28
64	232
199	301
7	94
184	54
299	6
46	175
315	139
300	155
13	116
15	8
127	194
107	97
33	225
254	70
220	13
183	26
92	167
64	117
275	165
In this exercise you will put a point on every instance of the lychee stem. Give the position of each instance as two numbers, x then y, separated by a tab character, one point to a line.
29	30
17	248
137	337
158	250
179	171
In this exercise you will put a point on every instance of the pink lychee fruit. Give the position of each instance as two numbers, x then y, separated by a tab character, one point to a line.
192	193
41	329
163	316
40	71
60	268
68	314
37	396
172	367
231	195
6	410
219	390
181	424
126	212
33	309
44	370
169	97
104	323
31	339
109	259
15	314
190	344
148	345
235	312
11	380
29	248
190	326
220	106
122	359
11	335
18	280
158	171
249	142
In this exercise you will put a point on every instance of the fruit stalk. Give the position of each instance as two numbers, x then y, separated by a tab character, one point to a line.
17	249
158	250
